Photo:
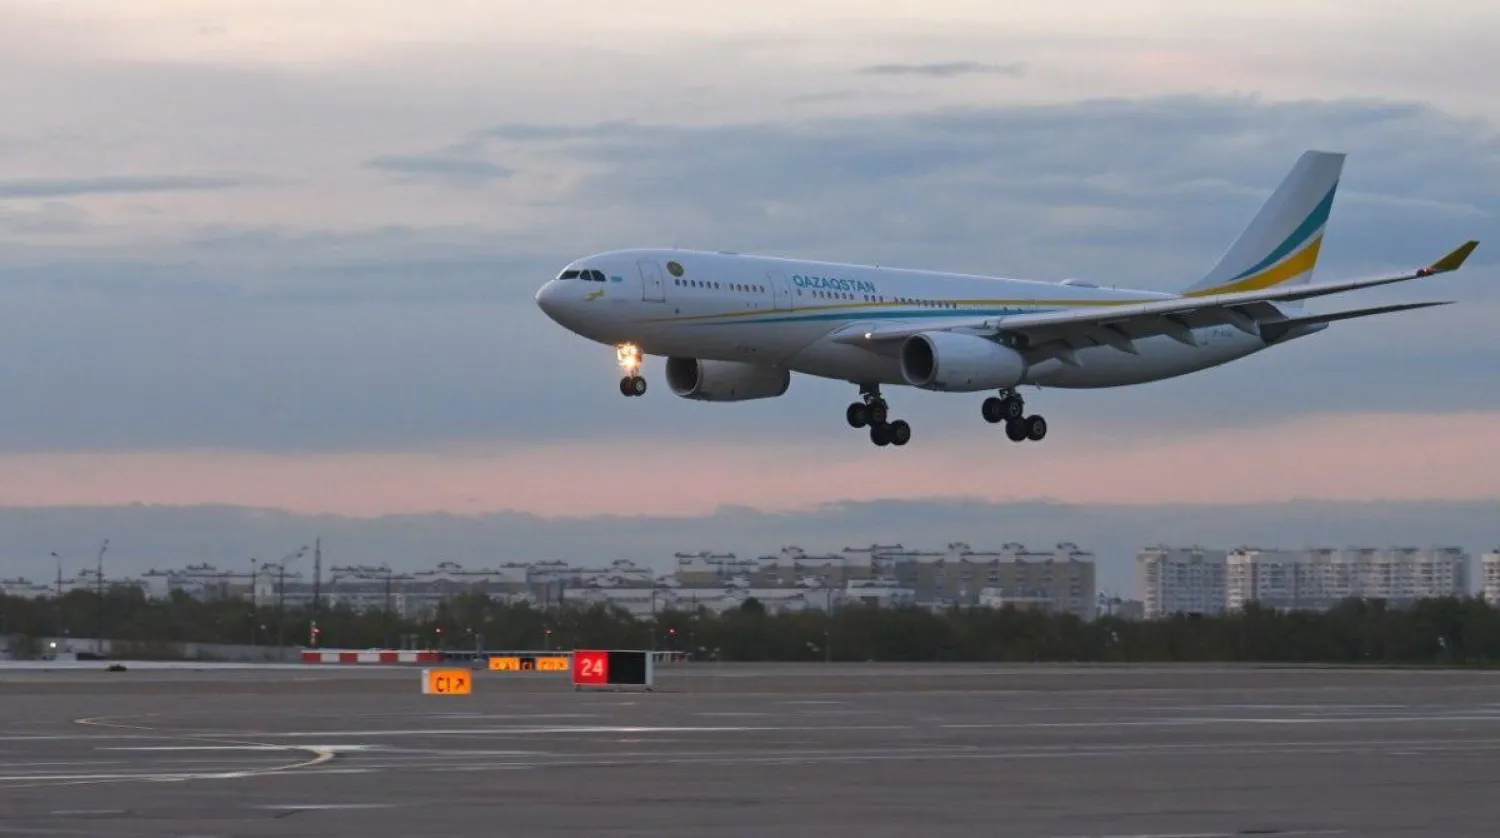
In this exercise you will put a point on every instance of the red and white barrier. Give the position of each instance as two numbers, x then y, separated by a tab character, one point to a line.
374	656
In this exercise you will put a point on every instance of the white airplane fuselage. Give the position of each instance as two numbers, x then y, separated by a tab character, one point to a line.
784	313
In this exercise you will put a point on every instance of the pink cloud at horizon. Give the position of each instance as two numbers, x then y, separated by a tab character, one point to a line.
1328	457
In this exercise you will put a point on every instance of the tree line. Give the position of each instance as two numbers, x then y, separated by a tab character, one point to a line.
1434	631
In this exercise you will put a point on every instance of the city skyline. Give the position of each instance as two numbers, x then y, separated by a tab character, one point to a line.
227	537
299	276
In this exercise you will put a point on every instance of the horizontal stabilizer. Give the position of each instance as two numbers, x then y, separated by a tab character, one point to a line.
1274	330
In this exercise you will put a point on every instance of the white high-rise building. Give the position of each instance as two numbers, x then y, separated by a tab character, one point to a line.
1321	578
1180	580
1489	576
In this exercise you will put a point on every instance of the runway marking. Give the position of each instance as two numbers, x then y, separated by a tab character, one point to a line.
324	806
1240	834
318	756
1228	720
194	748
527	731
732	713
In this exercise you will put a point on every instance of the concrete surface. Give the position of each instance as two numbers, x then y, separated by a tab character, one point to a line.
787	751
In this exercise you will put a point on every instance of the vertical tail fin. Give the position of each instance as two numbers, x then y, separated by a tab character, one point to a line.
1280	247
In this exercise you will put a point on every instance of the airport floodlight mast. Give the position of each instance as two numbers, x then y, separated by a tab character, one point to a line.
99	589
281	593
57	599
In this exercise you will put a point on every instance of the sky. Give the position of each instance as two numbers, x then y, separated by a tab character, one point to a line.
283	256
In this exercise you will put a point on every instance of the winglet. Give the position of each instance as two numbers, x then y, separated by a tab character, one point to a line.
1452	261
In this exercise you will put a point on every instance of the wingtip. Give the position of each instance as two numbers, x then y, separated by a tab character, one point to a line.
1453	261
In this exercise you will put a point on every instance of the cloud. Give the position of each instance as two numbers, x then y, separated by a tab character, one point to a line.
1321	457
109	185
1011	189
408	333
50	218
441	167
947	69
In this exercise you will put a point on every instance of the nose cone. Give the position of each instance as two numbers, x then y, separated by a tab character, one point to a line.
547	299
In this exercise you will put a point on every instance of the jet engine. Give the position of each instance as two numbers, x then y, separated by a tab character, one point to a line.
959	362
725	381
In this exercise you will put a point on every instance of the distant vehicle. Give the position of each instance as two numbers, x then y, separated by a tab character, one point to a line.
735	327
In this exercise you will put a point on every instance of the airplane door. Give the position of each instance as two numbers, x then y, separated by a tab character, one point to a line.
781	292
653	288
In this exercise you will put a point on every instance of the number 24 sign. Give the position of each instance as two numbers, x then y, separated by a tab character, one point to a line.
590	667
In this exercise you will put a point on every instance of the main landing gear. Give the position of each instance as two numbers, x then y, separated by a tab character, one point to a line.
1010	408
629	357
871	412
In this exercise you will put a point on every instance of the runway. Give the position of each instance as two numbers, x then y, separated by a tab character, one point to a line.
862	749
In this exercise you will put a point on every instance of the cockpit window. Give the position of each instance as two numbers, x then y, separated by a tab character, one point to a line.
593	275
568	275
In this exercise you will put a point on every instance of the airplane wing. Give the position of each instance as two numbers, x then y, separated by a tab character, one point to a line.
1118	325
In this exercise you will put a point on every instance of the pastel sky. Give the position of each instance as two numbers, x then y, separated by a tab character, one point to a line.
283	254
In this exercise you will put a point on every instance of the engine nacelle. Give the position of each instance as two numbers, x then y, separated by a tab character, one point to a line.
725	381
959	362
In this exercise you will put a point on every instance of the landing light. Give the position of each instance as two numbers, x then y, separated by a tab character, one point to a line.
629	356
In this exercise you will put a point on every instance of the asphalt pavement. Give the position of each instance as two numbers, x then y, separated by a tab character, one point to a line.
753	750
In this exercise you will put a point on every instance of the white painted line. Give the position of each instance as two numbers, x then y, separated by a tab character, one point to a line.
500	716
1293	832
527	730
325	806
318	758
1190	722
731	714
196	748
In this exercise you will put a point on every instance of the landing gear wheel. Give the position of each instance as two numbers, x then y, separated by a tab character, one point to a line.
1016	430
900	432
880	434
632	385
877	413
993	410
1036	428
996	410
858	415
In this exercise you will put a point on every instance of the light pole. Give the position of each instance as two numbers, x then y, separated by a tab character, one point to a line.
281	594
99	589
57	597
387	613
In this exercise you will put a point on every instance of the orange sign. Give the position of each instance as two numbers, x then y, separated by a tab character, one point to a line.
447	682
529	663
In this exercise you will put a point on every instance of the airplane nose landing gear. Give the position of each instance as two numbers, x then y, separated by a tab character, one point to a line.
628	355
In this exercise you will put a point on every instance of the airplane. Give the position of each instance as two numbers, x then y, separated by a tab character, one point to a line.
734	327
